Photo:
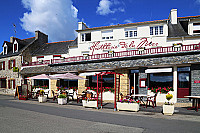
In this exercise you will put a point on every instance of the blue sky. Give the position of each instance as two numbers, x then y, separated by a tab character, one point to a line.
58	18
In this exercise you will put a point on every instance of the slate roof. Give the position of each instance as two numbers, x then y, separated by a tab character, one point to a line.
176	30
61	47
123	25
22	44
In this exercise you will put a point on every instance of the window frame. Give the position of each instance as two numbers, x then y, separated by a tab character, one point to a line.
84	37
130	32
15	49
156	30
5	49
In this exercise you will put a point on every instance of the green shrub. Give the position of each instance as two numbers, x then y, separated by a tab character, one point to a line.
62	96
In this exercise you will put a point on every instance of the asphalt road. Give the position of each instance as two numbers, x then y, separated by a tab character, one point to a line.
30	117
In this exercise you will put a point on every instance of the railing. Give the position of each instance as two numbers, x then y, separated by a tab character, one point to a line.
36	63
129	53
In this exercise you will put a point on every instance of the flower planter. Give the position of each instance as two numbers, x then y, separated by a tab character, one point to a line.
22	98
42	99
168	109
87	103
62	101
127	106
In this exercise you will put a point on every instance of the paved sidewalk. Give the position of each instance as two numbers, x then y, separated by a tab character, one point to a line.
181	113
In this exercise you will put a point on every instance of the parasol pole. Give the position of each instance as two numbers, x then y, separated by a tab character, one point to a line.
115	109
97	89
101	91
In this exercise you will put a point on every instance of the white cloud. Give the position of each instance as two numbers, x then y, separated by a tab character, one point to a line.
56	18
198	1
104	7
128	21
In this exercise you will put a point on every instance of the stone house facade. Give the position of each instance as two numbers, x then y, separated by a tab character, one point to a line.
16	52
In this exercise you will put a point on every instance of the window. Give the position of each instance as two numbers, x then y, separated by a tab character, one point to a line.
196	28
11	64
157	30
151	30
108	81
5	49
2	65
131	32
11	84
86	37
161	29
15	48
2	82
107	35
160	80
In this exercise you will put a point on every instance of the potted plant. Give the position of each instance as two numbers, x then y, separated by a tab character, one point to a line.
62	99
168	108
89	102
177	44
41	97
130	105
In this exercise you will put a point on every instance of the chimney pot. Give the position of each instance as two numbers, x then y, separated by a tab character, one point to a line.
173	16
81	26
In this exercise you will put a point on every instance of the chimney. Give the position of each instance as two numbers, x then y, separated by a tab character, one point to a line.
41	36
82	26
11	39
173	16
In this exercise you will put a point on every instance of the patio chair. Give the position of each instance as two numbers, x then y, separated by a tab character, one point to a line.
151	99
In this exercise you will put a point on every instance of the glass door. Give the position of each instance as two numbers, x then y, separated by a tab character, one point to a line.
134	83
183	82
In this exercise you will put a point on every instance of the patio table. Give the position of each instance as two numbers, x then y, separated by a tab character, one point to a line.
140	97
195	102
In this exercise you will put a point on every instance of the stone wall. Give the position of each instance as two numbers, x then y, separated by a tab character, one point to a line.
142	90
195	75
8	73
124	81
130	63
82	85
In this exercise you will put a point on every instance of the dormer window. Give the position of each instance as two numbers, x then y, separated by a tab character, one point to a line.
5	49
86	37
15	47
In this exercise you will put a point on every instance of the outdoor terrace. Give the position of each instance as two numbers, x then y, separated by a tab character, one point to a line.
121	54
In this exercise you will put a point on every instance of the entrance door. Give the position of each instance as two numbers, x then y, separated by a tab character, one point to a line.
183	84
134	83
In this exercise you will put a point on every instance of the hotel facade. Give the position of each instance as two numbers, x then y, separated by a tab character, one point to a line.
160	53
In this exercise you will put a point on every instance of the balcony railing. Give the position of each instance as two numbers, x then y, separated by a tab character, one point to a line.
121	54
36	63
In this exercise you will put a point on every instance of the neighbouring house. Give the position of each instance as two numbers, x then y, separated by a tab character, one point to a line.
15	53
48	53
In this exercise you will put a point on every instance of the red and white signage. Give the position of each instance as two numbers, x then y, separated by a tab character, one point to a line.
143	42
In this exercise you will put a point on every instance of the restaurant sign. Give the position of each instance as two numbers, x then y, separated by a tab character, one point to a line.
143	42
